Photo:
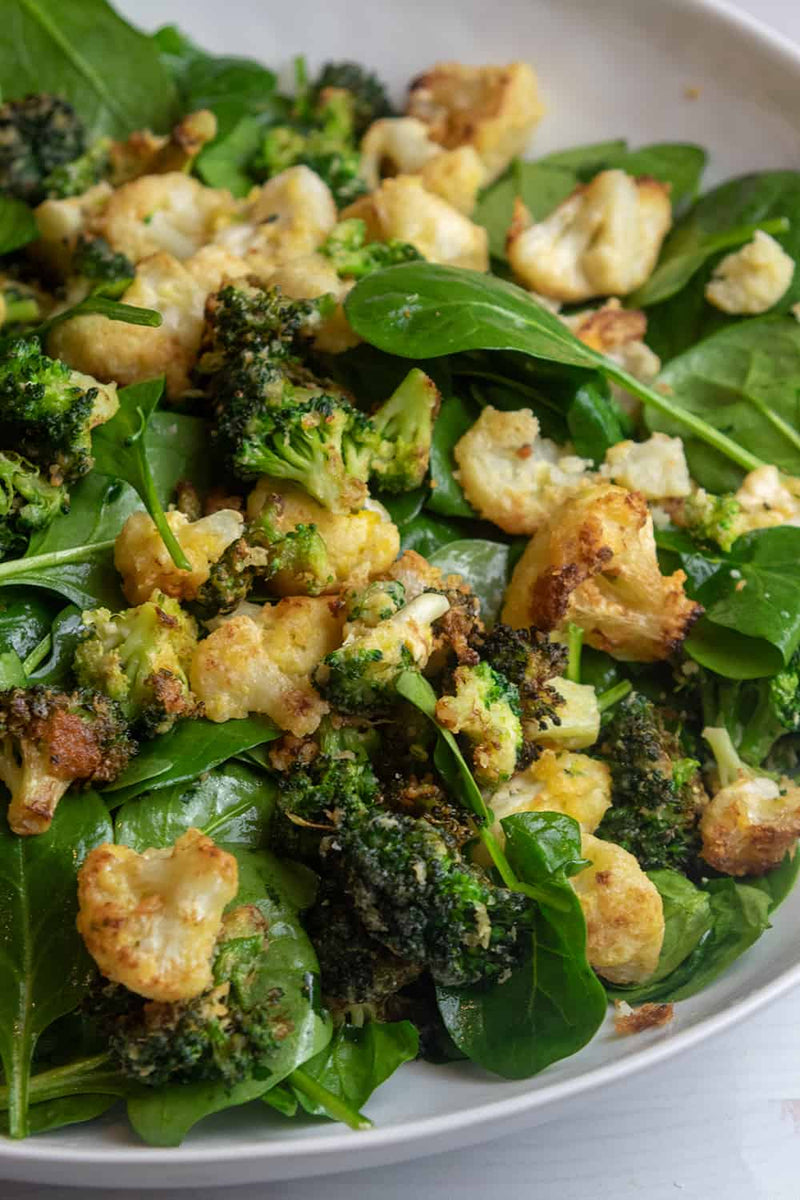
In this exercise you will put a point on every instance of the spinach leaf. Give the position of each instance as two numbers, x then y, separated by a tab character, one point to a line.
686	318
65	633
553	1004
87	53
233	803
422	310
12	672
165	1115
224	162
586	161
595	421
405	507
358	1060
540	185
779	882
677	163
25	618
739	915
119	449
745	381
66	1110
687	920
484	565
17	224
44	967
455	417
428	534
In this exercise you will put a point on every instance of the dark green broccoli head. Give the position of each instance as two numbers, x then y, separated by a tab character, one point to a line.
37	135
140	658
656	791
404	425
107	271
77	176
51	738
417	895
229	1033
27	502
368	95
353	258
45	413
529	660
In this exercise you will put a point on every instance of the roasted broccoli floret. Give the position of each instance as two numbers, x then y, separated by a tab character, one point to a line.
140	658
38	134
77	176
404	426
360	677
230	1032
529	660
485	708
418	896
27	502
104	270
353	258
368	96
244	320
376	602
713	518
47	411
50	739
756	712
18	305
657	793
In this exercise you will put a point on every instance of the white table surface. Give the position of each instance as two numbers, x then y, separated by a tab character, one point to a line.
721	1123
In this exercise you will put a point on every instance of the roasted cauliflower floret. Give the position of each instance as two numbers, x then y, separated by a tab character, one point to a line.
404	146
404	209
261	661
623	910
578	718
602	240
145	564
150	920
557	781
595	564
753	821
657	468
510	475
753	279
491	108
289	217
129	353
359	545
61	222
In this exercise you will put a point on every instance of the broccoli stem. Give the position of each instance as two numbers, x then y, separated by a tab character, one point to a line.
334	1106
729	765
574	647
56	558
614	694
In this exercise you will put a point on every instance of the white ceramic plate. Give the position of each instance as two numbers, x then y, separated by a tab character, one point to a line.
607	69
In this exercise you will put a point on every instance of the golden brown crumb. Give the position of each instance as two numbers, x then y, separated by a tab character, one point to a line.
635	1020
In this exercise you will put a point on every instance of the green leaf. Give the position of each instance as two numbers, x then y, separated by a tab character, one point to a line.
455	417
67	1110
484	565
204	80
17	224
428	534
595	422
12	672
405	507
356	1061
66	632
586	161
677	163
164	1116
119	448
87	53
103	306
224	164
553	1004
540	185
25	618
187	751
687	920
779	882
43	965
233	803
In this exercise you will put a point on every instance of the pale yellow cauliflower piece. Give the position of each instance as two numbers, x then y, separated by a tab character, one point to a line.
578	723
602	240
289	217
145	564
558	781
510	475
623	910
150	920
403	208
403	146
174	212
657	468
312	276
262	662
751	280
130	353
360	545
766	499
61	222
494	109
595	564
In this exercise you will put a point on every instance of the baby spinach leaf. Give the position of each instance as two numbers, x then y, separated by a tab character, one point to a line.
484	565
779	882
12	672
405	507
687	920
356	1061
455	417
540	185
67	1110
745	381
165	1115
187	751
595	422
17	225
204	80
44	967
224	163
25	618
585	161
553	1004
87	53
422	310
119	449
428	534
65	634
677	163
233	803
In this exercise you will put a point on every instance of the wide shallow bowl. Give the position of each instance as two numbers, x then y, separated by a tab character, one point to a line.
649	70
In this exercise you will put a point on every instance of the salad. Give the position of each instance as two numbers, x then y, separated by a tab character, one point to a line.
399	623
